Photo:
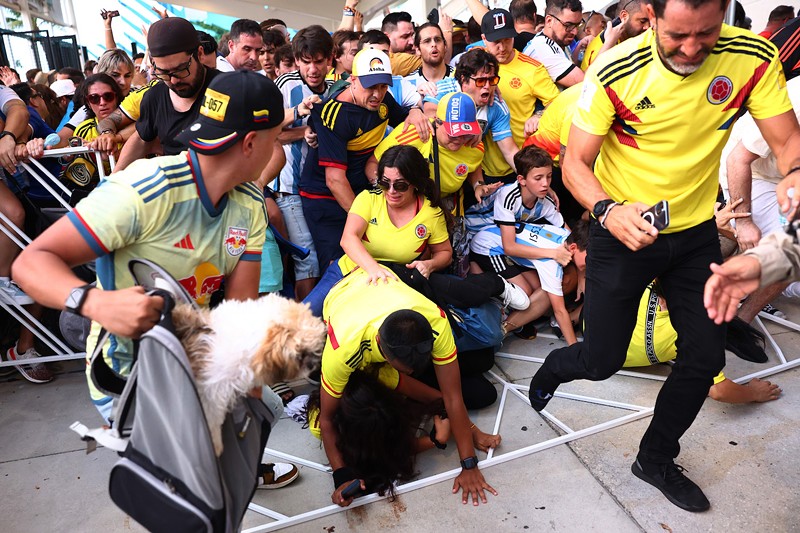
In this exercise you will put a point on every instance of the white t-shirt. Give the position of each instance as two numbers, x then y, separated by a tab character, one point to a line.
746	131
555	58
223	65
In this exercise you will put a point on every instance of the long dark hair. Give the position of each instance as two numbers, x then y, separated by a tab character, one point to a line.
98	78
414	169
376	429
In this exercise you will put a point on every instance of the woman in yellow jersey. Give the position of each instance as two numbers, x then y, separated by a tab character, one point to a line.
403	223
101	95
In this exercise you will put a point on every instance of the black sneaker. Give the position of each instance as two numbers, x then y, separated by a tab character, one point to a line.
540	393
678	488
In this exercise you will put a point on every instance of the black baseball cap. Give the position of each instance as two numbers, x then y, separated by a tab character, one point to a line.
497	24
171	35
234	104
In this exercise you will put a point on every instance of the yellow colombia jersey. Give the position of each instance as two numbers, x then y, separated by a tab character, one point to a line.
590	54
653	339
130	105
524	83
158	209
386	242
555	124
453	166
664	132
354	312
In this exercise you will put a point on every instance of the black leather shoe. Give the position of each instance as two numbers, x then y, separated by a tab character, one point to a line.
673	484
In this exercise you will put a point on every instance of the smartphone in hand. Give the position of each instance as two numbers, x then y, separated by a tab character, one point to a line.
353	490
658	215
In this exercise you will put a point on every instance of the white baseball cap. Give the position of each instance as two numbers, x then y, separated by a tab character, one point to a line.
372	67
63	88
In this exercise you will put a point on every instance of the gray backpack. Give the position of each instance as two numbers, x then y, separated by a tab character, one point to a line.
168	478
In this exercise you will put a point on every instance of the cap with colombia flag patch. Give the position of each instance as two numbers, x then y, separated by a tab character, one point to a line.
234	104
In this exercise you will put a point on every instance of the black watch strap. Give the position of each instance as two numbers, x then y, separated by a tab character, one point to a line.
76	299
5	133
435	442
469	463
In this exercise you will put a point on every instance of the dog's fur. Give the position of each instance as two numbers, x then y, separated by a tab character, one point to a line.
242	345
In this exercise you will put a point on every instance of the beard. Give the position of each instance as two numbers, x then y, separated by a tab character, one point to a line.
684	69
189	89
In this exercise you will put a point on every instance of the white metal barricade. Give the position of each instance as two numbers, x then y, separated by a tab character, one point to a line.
17	235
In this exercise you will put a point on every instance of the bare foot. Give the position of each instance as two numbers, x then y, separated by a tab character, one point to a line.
762	390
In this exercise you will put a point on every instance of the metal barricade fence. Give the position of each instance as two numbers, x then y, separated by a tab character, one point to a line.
17	235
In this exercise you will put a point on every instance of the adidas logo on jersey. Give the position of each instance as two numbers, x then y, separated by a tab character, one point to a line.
644	104
374	221
185	243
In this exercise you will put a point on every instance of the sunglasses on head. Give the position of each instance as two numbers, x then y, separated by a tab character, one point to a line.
405	350
399	186
95	98
491	80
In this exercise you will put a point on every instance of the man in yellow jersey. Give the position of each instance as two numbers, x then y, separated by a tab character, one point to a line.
552	136
524	83
396	332
632	21
633	144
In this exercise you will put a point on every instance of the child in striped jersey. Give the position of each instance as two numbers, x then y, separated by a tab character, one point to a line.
520	235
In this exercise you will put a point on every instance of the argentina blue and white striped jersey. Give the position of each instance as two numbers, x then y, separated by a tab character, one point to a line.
294	89
505	207
489	242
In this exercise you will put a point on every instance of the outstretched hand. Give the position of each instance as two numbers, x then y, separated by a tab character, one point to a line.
471	483
729	283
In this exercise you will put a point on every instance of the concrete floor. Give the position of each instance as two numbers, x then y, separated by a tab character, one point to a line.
743	456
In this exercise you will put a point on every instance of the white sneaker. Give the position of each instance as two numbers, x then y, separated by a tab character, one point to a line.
792	291
514	297
10	291
35	373
277	475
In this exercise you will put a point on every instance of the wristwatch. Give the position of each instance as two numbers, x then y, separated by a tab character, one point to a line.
76	299
9	133
469	463
601	207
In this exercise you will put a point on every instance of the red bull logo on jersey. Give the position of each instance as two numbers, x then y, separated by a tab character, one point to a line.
236	241
205	281
719	90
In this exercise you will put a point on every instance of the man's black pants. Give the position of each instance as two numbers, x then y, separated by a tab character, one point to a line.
616	277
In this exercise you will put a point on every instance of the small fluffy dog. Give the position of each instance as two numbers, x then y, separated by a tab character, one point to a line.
242	345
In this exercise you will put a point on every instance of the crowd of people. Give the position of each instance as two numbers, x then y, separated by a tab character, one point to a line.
427	189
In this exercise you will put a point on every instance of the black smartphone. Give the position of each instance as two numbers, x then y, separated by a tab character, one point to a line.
433	16
353	490
658	215
616	22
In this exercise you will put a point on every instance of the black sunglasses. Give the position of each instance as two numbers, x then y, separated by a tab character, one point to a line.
399	186
405	350
95	98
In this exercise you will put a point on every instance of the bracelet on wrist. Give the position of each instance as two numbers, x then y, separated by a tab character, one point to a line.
793	169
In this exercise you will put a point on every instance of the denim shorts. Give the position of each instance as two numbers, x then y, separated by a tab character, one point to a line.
296	226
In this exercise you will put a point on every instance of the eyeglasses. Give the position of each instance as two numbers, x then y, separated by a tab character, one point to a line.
481	82
399	186
179	73
95	98
569	26
405	350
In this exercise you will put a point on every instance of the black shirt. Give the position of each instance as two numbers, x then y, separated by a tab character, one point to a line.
786	41
522	39
158	118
